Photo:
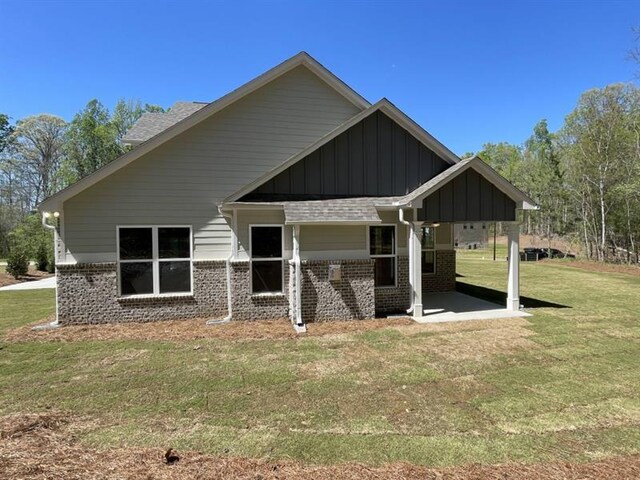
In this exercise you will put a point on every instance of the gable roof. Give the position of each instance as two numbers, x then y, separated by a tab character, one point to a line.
301	59
414	198
364	209
384	106
152	123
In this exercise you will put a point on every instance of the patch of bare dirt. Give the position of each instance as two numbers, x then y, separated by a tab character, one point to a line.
597	266
176	330
32	274
46	447
479	344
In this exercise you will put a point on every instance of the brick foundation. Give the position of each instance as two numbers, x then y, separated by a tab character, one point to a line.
350	298
88	293
246	306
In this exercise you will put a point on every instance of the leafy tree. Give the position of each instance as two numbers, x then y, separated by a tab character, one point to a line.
39	148
543	178
599	139
32	238
91	140
95	136
6	130
504	157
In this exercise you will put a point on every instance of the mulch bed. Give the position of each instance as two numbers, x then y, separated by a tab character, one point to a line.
33	274
45	446
180	330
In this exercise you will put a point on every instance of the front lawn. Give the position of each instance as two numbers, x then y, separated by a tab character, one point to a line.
563	385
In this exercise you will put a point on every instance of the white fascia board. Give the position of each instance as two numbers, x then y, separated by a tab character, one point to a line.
384	106
251	206
145	147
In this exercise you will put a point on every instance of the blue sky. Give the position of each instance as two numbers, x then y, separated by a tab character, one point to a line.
469	72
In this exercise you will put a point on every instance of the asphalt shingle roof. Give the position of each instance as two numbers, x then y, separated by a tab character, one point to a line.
343	210
151	124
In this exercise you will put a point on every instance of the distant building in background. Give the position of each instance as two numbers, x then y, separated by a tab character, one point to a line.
471	235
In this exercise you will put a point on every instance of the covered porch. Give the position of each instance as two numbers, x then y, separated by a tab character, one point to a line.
471	191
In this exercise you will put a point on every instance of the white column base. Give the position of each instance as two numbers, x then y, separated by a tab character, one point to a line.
513	304
418	311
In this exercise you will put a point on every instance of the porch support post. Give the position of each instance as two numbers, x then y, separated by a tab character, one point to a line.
415	257
298	277
513	287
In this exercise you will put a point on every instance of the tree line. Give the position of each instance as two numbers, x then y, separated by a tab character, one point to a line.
585	177
41	154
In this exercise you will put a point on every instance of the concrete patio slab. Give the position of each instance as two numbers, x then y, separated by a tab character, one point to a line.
455	306
33	285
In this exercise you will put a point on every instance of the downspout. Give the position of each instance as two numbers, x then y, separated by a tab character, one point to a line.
233	245
56	215
299	325
410	250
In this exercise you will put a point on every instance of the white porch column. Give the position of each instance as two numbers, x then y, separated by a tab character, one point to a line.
513	287
298	276
415	259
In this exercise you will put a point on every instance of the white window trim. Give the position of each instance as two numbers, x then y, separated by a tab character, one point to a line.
155	261
422	249
393	255
280	259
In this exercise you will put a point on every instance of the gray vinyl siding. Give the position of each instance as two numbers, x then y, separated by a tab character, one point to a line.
375	157
469	197
183	181
318	238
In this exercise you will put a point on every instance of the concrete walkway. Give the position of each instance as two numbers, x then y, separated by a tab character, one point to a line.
32	285
455	306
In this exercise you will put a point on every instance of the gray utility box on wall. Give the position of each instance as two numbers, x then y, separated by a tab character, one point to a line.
335	273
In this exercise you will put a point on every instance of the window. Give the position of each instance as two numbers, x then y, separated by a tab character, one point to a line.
154	260
266	258
382	248
428	240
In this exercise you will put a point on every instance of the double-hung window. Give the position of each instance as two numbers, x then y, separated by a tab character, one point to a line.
428	249
382	248
266	258
154	260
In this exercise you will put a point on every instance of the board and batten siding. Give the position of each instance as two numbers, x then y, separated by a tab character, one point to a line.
182	181
469	197
375	157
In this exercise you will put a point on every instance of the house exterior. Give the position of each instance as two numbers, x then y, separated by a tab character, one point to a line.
471	235
291	196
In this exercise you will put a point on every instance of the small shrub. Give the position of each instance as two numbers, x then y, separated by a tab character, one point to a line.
42	258
17	264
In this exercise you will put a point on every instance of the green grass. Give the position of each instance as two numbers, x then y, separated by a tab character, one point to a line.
20	307
570	393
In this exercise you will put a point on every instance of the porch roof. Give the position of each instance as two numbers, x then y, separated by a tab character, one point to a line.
329	211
